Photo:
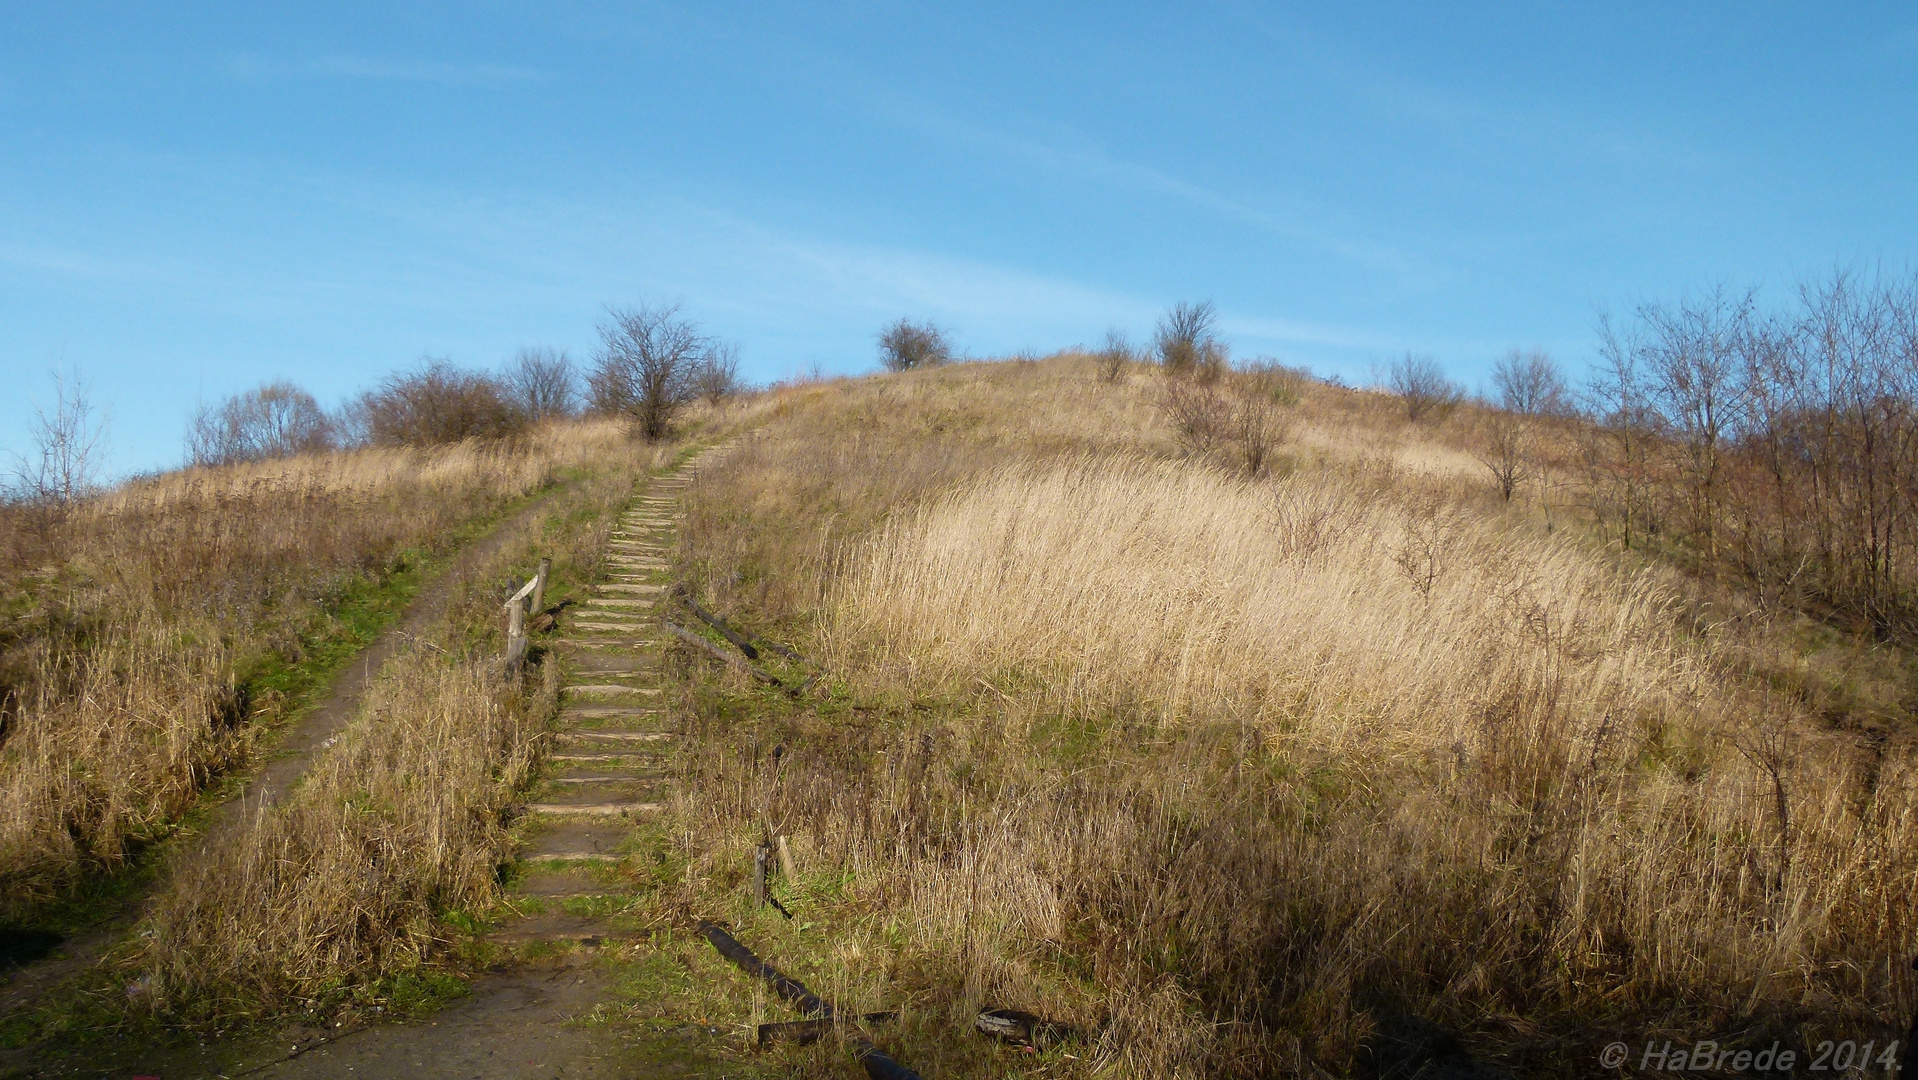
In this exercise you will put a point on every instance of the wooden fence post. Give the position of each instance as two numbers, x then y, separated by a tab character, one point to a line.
516	609
515	635
539	588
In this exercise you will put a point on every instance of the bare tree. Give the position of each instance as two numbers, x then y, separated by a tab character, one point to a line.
1187	340
543	383
905	345
1507	452
1114	355
646	365
717	376
1617	446
1529	383
1693	366
1423	386
68	445
275	420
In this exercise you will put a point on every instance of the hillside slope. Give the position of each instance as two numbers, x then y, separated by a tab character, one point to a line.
1337	762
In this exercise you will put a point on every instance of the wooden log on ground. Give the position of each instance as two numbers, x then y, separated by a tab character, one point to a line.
717	623
1022	1028
720	654
878	1065
807	1032
749	646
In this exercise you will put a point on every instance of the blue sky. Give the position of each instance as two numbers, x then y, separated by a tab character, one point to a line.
193	201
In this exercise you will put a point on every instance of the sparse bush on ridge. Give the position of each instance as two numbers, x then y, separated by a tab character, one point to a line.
1115	355
543	383
68	444
1423	387
717	376
274	420
1187	341
906	345
436	403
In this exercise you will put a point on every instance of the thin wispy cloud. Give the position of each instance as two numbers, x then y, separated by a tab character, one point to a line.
385	69
1082	160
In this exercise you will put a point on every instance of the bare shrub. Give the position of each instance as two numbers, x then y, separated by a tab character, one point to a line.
1115	355
544	383
1283	384
436	403
1187	341
1237	422
1530	383
1258	430
717	376
905	345
1424	388
1506	452
275	420
68	445
648	360
1201	415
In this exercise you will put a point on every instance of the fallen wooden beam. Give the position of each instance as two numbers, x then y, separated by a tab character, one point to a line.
720	654
878	1065
717	623
1022	1028
745	644
807	1032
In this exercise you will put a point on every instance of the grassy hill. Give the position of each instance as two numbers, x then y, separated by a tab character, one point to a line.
1246	732
1334	759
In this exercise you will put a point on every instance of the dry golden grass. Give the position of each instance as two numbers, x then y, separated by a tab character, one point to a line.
1262	774
348	879
136	618
312	903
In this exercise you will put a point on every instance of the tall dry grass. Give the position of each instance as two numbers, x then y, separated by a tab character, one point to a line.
137	618
316	902
1266	777
348	879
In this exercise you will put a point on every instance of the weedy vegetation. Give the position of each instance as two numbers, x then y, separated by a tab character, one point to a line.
1342	761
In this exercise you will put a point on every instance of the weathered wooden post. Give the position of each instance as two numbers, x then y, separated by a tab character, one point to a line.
538	603
760	892
515	635
516	620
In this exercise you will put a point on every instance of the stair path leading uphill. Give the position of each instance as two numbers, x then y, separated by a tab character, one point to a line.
605	775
